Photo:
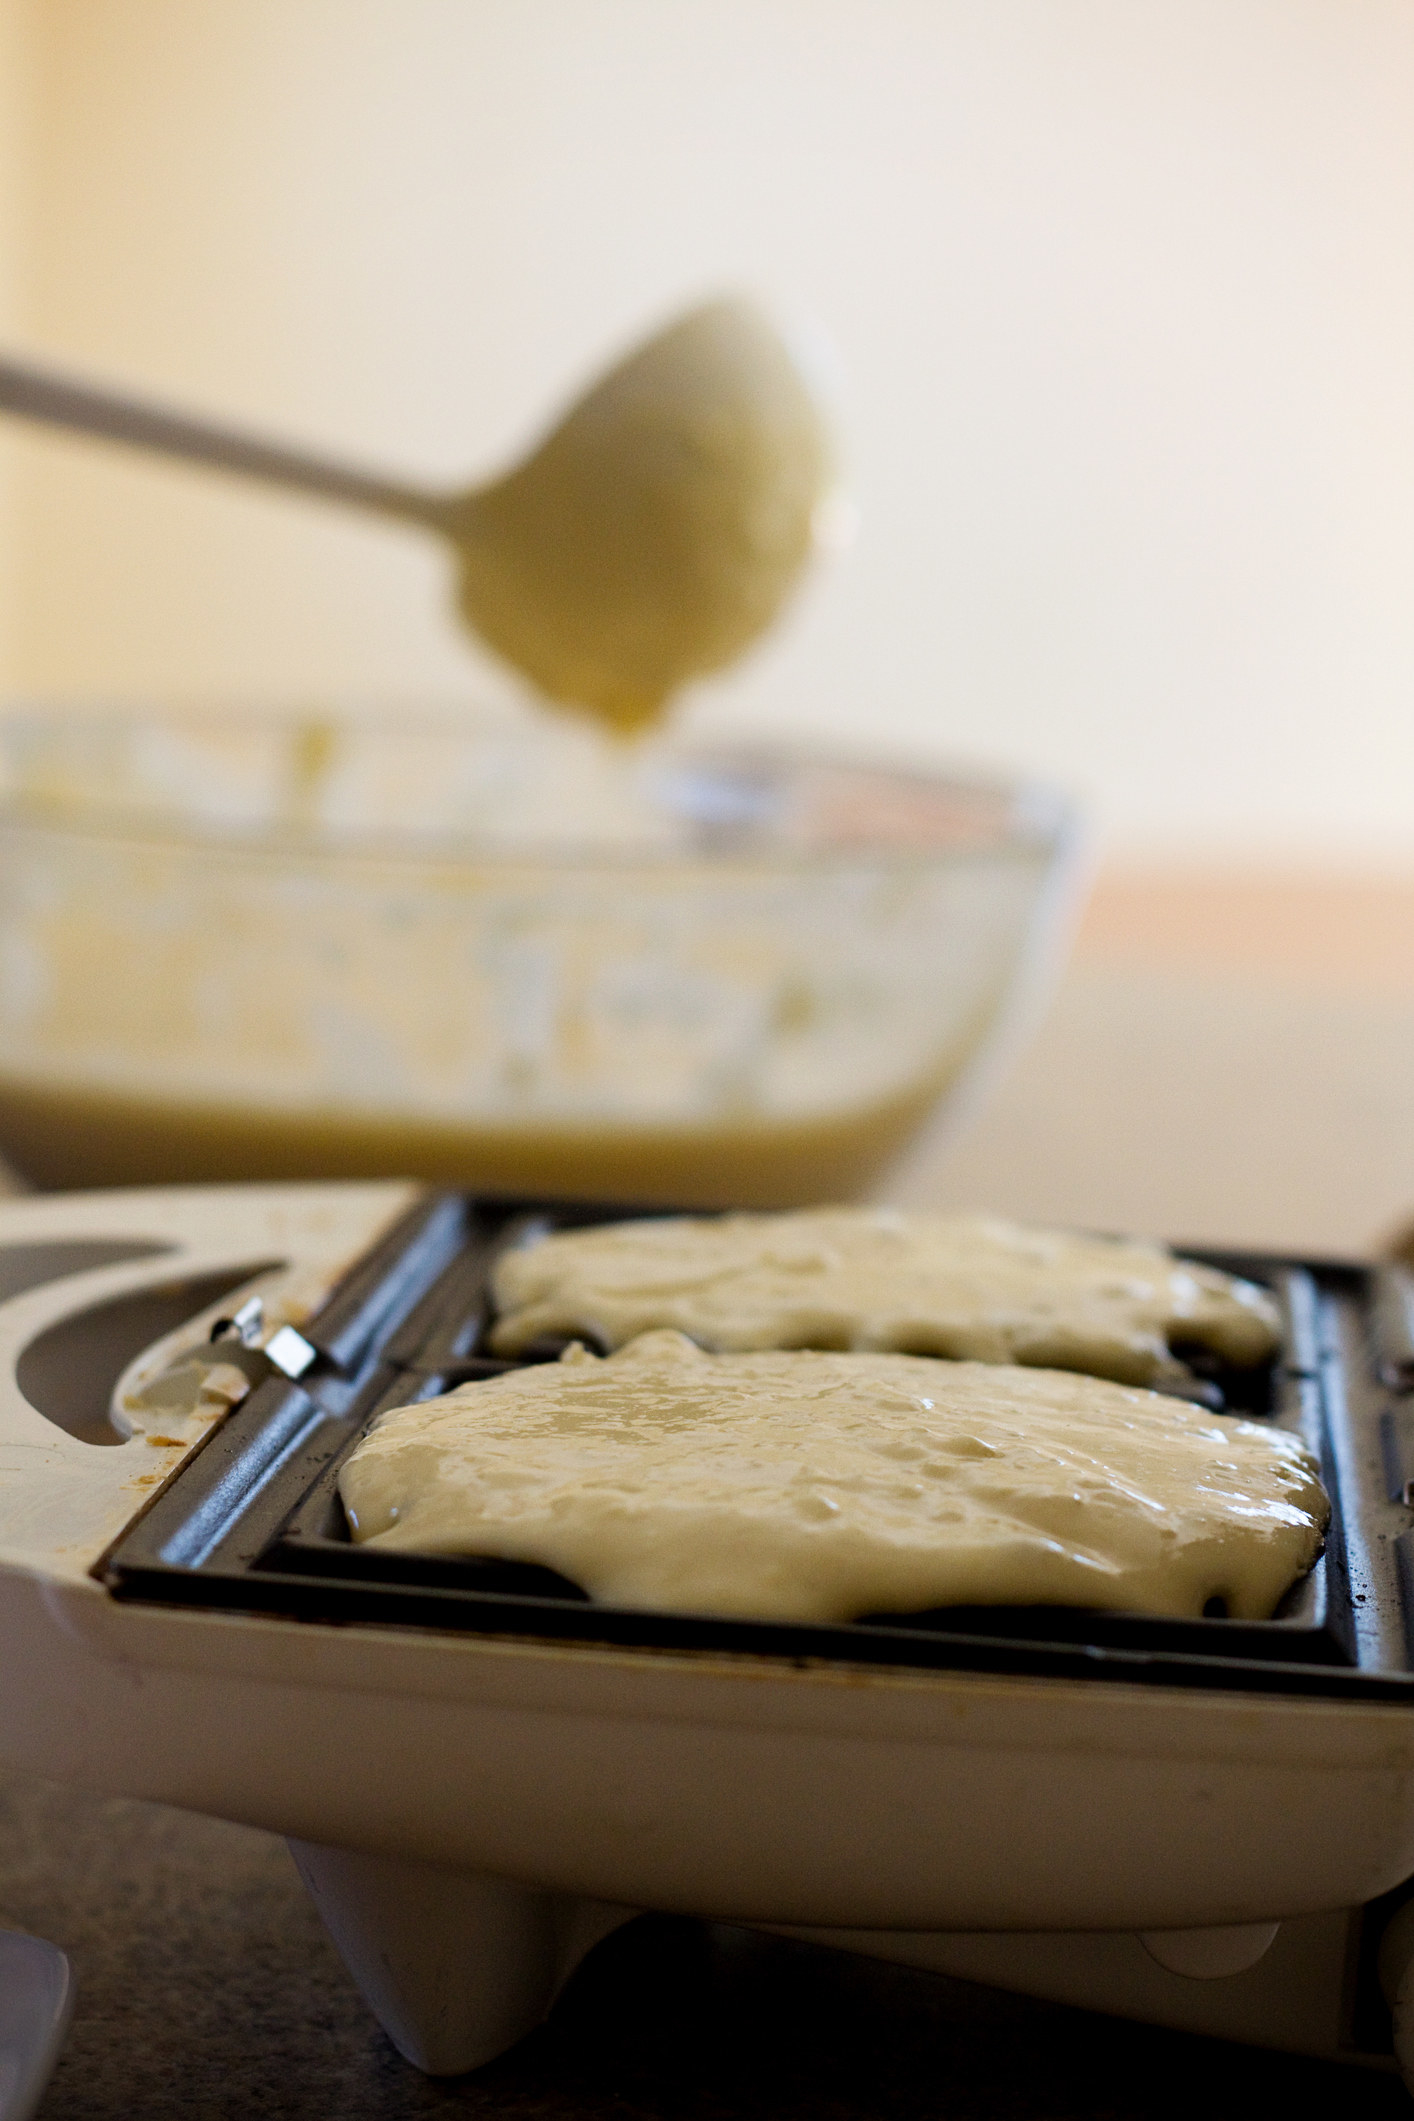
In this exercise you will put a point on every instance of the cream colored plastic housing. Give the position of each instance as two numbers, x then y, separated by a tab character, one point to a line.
506	1783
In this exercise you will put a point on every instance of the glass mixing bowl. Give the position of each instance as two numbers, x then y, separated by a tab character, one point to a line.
498	953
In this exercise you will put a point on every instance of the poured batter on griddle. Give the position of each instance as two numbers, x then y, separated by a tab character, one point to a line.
818	1486
971	1287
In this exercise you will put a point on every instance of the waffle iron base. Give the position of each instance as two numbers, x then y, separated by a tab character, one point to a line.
1207	1824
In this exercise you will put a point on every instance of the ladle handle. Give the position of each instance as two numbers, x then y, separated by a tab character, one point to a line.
84	408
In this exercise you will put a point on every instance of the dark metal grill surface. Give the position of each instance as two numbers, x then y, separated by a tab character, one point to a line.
253	1522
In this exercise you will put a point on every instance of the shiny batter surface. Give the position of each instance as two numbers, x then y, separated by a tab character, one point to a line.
970	1287
818	1486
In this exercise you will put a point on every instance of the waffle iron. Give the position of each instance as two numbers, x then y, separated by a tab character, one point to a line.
1207	1824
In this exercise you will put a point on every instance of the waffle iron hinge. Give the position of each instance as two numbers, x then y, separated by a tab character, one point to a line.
1392	1326
102	1295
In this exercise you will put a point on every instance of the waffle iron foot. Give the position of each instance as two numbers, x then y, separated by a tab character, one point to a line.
1291	1985
455	1965
1395	1968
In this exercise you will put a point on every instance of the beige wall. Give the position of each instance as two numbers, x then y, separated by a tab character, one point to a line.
1123	291
16	82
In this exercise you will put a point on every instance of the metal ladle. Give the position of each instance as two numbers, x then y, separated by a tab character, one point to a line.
653	533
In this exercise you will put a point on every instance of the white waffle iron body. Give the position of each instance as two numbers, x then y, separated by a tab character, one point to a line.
471	1813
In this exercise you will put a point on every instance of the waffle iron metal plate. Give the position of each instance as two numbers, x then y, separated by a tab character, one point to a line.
253	1521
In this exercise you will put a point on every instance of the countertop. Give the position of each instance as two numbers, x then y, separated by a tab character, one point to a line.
1227	1057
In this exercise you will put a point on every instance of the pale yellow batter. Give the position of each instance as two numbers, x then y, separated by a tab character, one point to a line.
659	528
814	1486
969	1287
